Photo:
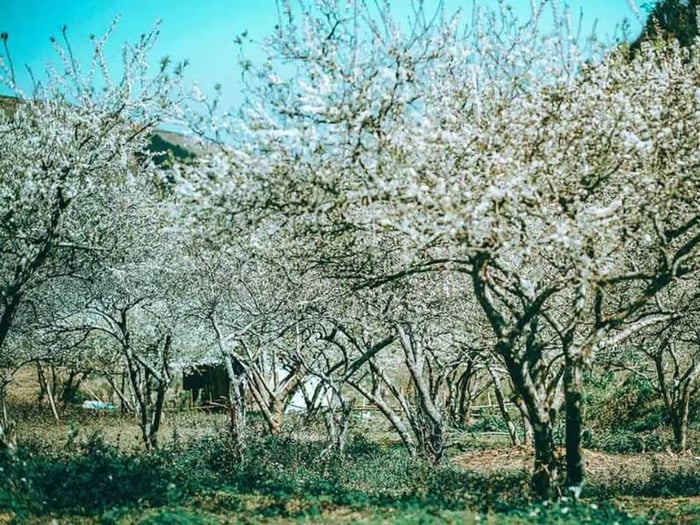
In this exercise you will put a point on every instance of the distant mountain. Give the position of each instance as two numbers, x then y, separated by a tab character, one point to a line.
8	103
167	145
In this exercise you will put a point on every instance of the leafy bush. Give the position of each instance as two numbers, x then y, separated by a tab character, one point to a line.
97	476
666	482
89	475
624	441
488	422
632	405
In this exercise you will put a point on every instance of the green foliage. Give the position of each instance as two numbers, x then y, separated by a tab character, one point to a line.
165	152
665	482
630	406
675	19
177	516
283	479
88	476
623	417
487	421
93	475
694	410
573	512
13	486
624	441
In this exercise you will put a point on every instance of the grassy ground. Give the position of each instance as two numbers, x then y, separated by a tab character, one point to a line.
88	467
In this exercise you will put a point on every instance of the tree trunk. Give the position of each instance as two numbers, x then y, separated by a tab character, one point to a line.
500	400
679	419
545	476
150	411
9	306
542	415
125	405
236	418
426	420
527	427
396	422
680	432
157	416
41	378
276	415
137	386
51	400
8	440
574	424
236	400
337	421
462	411
271	403
71	387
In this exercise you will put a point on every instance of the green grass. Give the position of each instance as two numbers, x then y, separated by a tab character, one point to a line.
86	469
87	480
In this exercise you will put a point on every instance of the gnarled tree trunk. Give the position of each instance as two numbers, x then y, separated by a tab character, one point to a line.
574	424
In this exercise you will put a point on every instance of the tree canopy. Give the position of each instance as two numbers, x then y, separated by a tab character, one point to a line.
440	204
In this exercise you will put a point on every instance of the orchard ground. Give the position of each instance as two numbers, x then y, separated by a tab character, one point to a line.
89	467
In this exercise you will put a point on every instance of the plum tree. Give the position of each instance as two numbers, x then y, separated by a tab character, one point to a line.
559	182
68	147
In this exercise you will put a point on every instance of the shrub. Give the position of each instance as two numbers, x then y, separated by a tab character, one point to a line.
624	441
672	482
89	475
632	405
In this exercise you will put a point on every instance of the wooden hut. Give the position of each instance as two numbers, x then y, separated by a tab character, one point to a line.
207	384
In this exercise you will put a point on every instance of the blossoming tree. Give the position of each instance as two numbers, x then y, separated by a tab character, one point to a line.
68	147
559	183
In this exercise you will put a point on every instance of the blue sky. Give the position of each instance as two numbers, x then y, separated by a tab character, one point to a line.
202	31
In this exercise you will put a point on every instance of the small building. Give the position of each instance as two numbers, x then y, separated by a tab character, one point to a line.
207	384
